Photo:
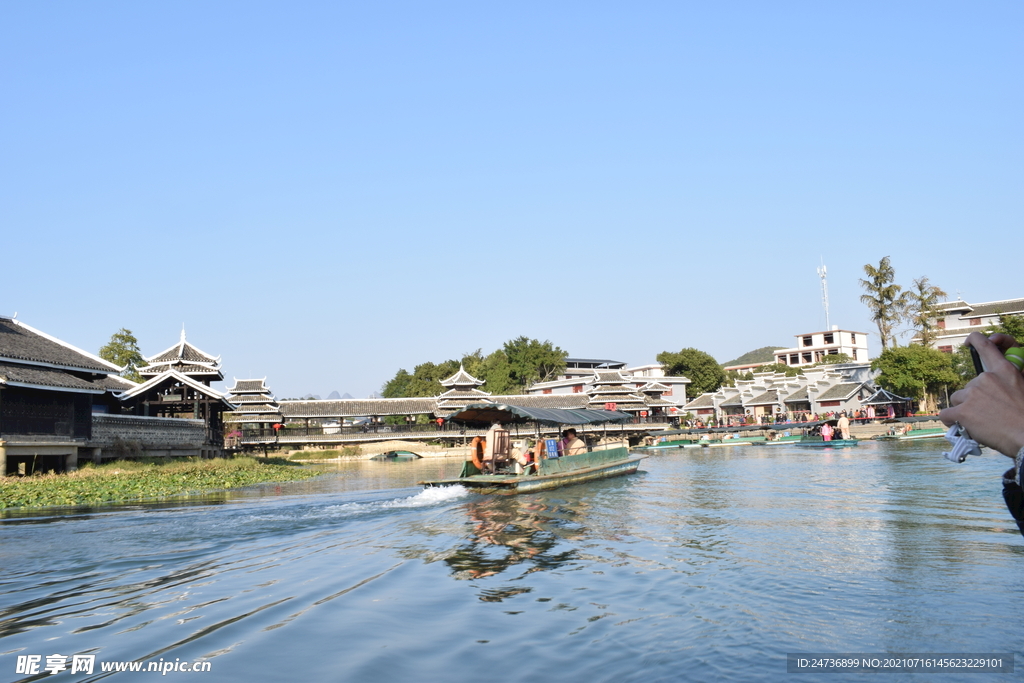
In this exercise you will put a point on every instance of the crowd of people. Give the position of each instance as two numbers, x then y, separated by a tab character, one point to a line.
868	414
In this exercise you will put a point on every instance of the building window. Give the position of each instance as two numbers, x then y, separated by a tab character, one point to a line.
817	356
807	340
807	357
829	404
975	321
940	323
853	337
833	352
667	393
946	349
547	391
855	354
794	359
782	359
577	389
830	338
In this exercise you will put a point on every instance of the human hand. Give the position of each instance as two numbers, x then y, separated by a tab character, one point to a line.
991	406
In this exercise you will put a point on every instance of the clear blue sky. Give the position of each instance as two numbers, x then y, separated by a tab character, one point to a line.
325	192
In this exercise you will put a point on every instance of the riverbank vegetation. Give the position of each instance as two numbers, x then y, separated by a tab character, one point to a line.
128	481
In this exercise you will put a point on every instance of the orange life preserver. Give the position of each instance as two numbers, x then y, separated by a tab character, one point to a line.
476	451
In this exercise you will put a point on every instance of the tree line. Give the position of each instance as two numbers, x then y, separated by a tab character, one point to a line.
520	363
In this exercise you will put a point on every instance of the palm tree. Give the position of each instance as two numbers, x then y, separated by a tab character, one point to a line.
886	300
921	309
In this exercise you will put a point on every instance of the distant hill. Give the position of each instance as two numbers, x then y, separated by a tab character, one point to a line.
765	354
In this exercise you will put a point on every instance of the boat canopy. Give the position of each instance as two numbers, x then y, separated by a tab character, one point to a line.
505	413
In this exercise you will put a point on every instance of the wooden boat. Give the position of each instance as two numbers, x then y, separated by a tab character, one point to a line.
818	442
566	470
932	433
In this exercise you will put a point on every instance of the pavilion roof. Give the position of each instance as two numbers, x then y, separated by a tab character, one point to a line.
245	386
461	379
798	396
882	396
183	351
175	376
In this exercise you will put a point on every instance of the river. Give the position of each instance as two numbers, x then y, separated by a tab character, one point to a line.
707	565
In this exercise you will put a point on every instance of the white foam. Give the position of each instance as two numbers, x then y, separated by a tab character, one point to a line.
426	497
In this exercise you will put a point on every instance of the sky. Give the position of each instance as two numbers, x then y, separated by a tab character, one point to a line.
325	192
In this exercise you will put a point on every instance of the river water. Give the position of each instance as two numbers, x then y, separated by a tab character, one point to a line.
707	565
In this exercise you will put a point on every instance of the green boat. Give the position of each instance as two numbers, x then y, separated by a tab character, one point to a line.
818	442
397	456
931	433
600	463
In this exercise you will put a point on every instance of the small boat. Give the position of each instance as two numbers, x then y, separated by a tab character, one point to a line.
931	433
600	463
397	456
818	442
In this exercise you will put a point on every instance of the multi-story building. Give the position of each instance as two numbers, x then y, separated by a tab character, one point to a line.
957	319
812	347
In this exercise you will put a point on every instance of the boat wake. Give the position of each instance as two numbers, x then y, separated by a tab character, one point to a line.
425	498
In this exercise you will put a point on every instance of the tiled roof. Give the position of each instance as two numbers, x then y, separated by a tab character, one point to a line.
473	394
654	386
545	400
957	305
839	391
798	396
994	307
13	374
354	407
19	342
257	408
702	401
251	398
184	368
248	386
767	398
734	401
183	351
174	376
609	377
882	396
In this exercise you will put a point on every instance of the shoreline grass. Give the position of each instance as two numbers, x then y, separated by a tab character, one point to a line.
135	481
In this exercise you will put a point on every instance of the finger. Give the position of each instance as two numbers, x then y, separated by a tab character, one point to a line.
1003	341
958	397
949	416
990	354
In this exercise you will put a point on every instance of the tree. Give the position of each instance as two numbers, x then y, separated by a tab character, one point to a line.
703	371
531	361
886	300
1012	325
123	350
834	359
916	372
921	311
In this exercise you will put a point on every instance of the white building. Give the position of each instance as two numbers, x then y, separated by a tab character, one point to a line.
812	347
644	379
957	319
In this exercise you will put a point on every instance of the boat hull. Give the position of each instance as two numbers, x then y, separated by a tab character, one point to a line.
834	443
555	473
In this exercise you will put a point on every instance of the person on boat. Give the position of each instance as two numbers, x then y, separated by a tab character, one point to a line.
991	410
843	426
524	456
826	432
573	445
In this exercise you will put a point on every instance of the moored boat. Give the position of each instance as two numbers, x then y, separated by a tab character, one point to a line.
932	433
818	442
609	460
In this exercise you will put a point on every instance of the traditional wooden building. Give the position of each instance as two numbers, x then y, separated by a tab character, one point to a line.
178	385
49	391
256	409
462	389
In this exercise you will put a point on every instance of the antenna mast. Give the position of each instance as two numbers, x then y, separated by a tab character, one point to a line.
822	273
